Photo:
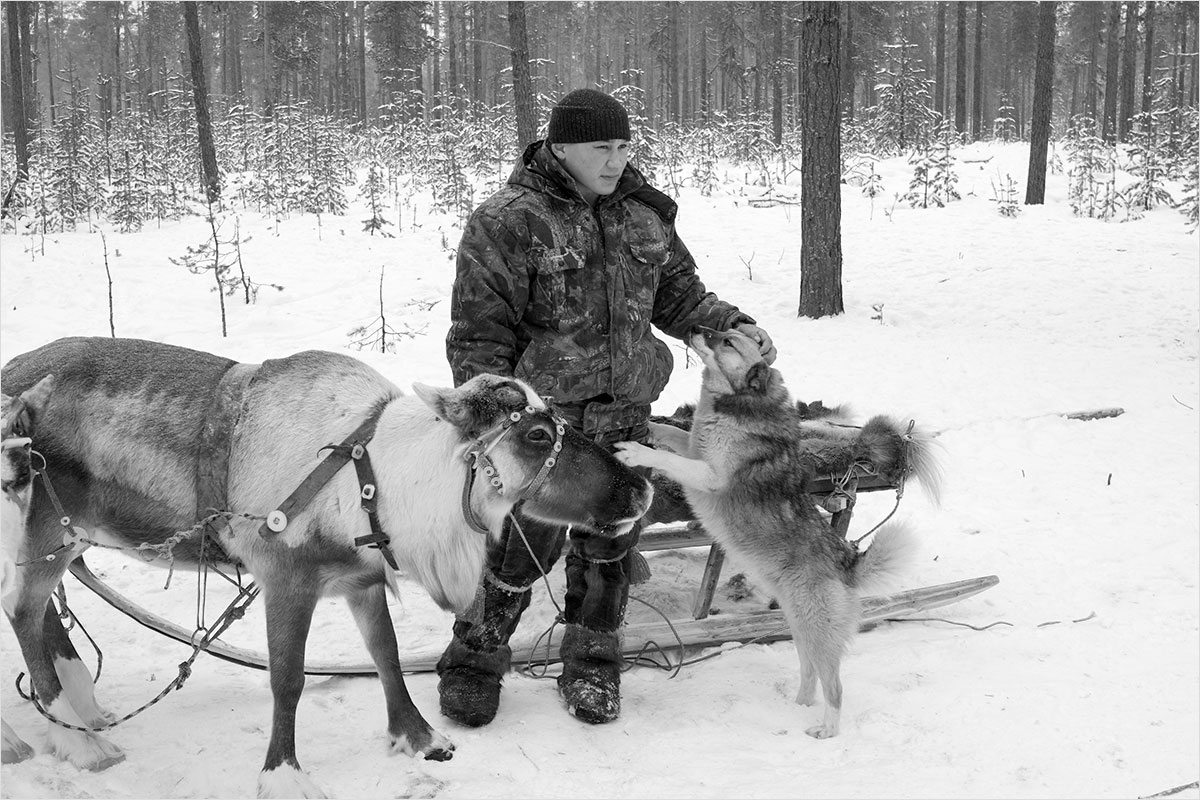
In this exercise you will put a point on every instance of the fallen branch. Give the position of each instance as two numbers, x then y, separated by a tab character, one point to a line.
1169	792
767	202
1097	413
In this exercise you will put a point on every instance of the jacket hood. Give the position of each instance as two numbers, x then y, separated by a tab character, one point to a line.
541	171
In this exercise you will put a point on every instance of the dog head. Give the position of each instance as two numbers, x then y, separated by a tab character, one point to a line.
19	416
732	362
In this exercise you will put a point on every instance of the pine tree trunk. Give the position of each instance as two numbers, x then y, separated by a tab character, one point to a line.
820	165
960	68
848	62
939	78
522	84
361	15
1094	10
1128	68
1043	88
1109	128
777	77
1148	62
14	17
208	153
977	91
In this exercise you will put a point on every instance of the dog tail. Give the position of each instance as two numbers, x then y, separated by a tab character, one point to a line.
891	553
903	450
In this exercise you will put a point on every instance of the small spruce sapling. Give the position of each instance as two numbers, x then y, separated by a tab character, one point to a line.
1005	196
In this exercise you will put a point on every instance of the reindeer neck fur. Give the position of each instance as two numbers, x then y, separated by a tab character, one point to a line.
430	535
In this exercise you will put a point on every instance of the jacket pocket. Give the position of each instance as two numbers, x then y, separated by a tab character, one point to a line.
559	293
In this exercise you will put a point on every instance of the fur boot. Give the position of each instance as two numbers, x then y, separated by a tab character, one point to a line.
469	682
591	679
473	665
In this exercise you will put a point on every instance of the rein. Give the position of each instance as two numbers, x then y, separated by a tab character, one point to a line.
478	460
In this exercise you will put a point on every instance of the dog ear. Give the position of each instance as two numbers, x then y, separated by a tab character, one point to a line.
758	377
477	404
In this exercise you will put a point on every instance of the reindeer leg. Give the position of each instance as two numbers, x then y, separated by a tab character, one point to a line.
73	674
409	732
29	619
291	595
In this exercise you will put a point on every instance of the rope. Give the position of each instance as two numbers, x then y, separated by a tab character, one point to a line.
532	665
233	612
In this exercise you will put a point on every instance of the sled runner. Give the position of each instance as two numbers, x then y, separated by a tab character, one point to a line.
762	626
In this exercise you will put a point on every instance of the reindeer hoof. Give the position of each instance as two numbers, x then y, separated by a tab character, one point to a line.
15	752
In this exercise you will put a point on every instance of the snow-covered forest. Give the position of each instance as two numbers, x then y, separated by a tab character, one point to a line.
344	181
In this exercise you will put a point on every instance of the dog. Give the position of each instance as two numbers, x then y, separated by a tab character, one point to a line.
142	440
744	467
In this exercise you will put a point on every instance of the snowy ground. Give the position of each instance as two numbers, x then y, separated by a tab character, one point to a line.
991	329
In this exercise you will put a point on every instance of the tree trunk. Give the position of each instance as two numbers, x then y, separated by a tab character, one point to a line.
208	154
267	66
1043	88
1094	10
360	10
518	41
777	77
15	14
1109	128
977	91
960	68
1128	68
1148	63
50	65
820	164
939	78
848	62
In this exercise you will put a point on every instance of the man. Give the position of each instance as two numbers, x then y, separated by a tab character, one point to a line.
560	276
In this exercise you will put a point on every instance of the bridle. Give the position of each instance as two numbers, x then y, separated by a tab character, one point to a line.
478	460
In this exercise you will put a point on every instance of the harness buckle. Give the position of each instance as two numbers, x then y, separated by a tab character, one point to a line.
368	491
357	451
277	520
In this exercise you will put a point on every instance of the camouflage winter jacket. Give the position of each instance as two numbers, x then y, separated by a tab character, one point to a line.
562	295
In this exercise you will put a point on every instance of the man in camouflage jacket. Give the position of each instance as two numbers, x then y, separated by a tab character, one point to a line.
561	275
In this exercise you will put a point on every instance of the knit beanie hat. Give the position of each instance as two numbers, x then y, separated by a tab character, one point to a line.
586	115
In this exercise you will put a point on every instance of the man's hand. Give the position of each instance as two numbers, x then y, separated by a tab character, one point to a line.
765	345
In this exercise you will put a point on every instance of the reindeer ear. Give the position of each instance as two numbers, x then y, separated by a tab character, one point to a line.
432	396
758	377
35	399
476	405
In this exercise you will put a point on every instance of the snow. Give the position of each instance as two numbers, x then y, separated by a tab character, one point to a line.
1083	684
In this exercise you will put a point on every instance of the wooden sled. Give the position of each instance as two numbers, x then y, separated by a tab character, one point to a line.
702	630
763	626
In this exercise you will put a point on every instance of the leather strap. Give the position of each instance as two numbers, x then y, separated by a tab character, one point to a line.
277	520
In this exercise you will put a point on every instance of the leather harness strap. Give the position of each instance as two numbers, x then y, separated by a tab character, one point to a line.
353	448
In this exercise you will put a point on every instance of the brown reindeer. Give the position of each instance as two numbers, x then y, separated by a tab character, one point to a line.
141	440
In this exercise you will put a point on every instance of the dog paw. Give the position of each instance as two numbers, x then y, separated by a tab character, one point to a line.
633	454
